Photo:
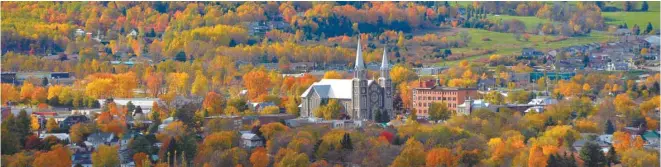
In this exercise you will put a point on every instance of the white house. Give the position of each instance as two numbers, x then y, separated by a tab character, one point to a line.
251	140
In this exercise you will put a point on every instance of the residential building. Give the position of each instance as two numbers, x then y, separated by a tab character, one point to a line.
250	140
423	97
359	97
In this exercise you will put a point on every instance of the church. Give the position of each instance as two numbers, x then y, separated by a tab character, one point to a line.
360	98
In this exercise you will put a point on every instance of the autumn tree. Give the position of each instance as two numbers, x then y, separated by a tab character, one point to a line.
141	160
213	102
259	157
106	156
257	83
200	85
413	154
400	74
58	156
328	111
51	124
270	110
441	157
332	75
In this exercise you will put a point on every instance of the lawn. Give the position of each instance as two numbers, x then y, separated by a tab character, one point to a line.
506	44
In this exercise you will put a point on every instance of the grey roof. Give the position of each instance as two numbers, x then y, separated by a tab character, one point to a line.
654	40
332	88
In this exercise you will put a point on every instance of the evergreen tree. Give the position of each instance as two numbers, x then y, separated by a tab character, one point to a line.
346	142
549	122
552	162
22	126
44	81
592	156
137	110
636	29
385	117
649	28
612	156
377	116
610	128
645	7
10	141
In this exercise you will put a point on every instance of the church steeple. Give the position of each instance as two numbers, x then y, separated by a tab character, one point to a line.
359	66
385	66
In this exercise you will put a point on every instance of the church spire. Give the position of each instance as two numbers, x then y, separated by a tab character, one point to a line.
384	60
360	64
359	67
385	66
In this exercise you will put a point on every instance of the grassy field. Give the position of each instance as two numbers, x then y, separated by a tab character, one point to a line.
632	18
506	43
531	22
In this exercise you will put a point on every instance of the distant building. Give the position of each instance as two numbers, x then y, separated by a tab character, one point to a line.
530	53
423	97
145	103
428	70
543	100
470	105
360	98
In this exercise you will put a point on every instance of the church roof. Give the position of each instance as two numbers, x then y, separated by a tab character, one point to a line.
360	64
384	60
332	88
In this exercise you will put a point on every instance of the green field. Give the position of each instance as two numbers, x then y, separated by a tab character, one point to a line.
506	43
632	18
531	22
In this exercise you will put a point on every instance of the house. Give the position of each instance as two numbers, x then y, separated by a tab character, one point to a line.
346	124
470	105
250	140
530	53
520	79
83	159
617	66
73	119
165	123
543	100
133	33
651	137
428	70
99	138
652	41
259	106
145	103
79	32
59	136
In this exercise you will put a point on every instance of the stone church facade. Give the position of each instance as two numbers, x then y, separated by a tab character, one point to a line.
359	97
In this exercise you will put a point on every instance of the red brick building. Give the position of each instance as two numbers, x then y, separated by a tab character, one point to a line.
424	96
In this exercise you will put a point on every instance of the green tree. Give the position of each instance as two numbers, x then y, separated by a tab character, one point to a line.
439	111
644	7
610	128
611	156
140	144
592	156
10	140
